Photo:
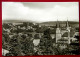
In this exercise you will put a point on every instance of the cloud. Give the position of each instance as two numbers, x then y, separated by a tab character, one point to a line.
13	10
45	12
42	5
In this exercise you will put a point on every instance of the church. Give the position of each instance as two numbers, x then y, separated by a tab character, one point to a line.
63	36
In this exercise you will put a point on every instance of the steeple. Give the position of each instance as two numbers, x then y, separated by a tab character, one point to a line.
68	32
67	23
57	24
58	32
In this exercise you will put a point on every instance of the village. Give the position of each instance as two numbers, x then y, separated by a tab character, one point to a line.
30	39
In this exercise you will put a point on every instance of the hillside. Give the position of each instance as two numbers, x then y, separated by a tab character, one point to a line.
53	23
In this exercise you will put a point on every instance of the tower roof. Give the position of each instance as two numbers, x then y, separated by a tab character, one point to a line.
57	24
67	23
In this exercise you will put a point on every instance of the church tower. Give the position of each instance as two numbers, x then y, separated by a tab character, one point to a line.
58	32
68	29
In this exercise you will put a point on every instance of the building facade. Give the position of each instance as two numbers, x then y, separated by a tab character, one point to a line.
63	36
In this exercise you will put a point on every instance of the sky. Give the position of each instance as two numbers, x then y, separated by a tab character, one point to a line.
40	11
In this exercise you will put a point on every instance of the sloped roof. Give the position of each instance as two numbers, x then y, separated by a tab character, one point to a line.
65	34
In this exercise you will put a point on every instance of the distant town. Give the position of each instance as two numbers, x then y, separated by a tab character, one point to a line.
46	38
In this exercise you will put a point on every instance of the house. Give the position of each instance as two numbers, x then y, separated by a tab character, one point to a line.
4	52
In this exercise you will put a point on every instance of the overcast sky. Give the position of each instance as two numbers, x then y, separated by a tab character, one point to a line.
40	11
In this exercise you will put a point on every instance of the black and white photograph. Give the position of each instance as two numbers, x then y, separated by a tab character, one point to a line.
40	28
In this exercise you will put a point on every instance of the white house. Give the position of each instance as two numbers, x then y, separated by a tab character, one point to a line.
36	42
4	52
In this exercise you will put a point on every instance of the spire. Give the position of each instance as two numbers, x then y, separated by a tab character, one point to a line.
67	23
57	24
